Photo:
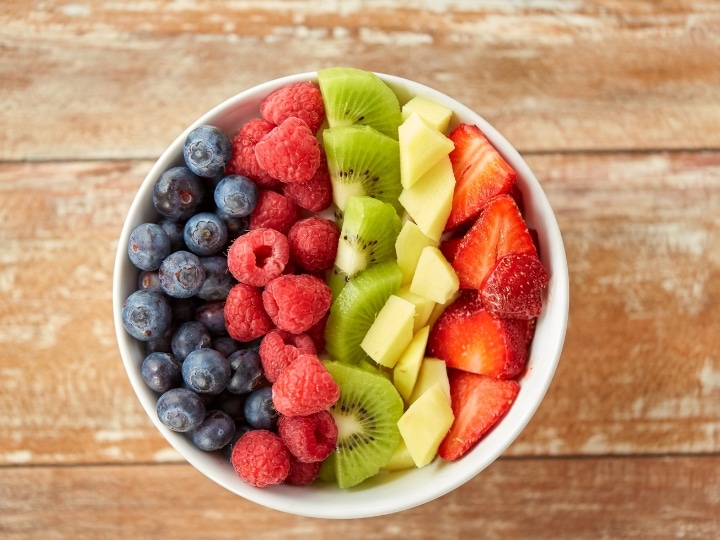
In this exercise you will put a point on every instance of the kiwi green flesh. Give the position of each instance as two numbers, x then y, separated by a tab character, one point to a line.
362	161
357	97
366	414
355	309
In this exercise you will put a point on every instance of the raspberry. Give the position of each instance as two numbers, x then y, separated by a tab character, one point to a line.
258	256
302	100
309	438
290	152
278	349
245	317
317	333
275	211
260	458
243	160
313	243
302	474
314	195
296	302
304	387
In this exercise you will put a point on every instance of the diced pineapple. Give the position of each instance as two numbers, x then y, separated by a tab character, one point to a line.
391	332
424	307
421	147
408	247
432	371
439	308
400	460
425	423
434	277
438	116
408	366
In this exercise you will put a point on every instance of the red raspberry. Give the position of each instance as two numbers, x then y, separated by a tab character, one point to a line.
258	256
243	159
309	438
278	349
315	194
275	211
302	100
296	302
302	474
313	243
245	317
304	387
260	458
290	152
317	333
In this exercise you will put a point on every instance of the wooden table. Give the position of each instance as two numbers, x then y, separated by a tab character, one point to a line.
614	104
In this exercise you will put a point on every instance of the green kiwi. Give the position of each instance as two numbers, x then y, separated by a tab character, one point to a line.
354	96
366	416
355	309
362	161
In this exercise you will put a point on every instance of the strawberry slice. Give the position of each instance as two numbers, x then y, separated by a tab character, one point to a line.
499	230
515	287
467	337
478	403
480	174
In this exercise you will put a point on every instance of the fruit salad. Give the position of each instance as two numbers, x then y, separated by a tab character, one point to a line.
344	287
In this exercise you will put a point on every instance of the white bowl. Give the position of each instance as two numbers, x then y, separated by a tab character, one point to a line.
386	493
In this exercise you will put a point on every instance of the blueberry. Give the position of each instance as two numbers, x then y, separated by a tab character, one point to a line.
231	404
259	410
215	432
212	315
148	245
183	309
180	409
181	274
190	336
175	231
206	371
162	343
247	372
218	279
146	315
205	234
177	193
236	195
207	150
236	226
225	345
161	371
149	280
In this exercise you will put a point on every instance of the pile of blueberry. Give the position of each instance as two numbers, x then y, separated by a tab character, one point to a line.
209	385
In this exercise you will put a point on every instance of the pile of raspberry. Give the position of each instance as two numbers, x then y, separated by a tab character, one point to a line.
281	298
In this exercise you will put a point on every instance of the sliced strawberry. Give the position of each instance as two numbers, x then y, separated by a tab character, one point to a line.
480	174
499	230
467	337
478	403
515	287
449	248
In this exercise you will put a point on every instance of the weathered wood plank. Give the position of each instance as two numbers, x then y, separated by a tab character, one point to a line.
659	498
121	80
639	373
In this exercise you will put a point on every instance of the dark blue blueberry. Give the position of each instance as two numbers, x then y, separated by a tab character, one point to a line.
180	409
161	371
148	245
212	315
218	279
207	150
162	343
225	345
183	309
215	432
177	193
205	234
236	195
240	430
149	280
190	336
206	371
181	274
247	372
232	404
146	315
236	226
259	410
175	231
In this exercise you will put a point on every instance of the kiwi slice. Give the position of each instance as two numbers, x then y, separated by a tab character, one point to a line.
362	161
355	309
354	96
366	416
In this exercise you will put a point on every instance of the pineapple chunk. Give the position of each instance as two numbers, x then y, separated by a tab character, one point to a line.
436	115
424	307
391	332
425	423
439	308
421	147
408	246
432	371
400	460
408	366
434	277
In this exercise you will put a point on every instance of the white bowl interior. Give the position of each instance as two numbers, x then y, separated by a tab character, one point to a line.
386	493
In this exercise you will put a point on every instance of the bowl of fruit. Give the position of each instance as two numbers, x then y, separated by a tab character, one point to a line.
340	294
